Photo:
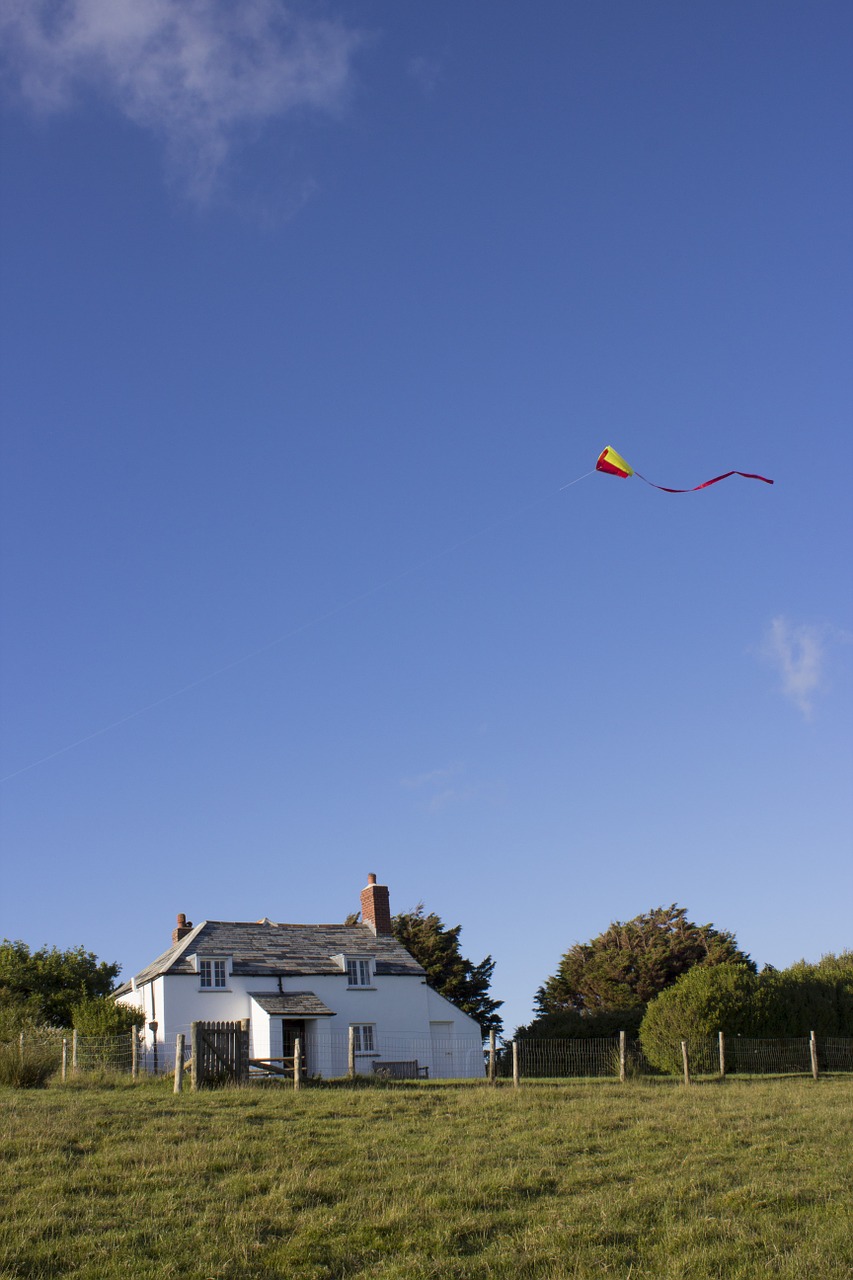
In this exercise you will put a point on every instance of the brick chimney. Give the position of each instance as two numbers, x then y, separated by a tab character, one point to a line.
376	907
185	926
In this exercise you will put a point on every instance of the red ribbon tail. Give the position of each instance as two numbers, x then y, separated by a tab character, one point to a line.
747	475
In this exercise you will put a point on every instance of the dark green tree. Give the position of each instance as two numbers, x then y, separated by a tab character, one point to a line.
622	969
448	972
41	987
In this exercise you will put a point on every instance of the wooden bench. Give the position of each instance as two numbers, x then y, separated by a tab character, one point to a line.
400	1070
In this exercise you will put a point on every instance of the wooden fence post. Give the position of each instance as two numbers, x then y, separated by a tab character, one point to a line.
516	1073
64	1059
243	1074
74	1052
21	1046
297	1062
813	1052
722	1043
686	1062
134	1053
493	1066
196	1071
351	1054
622	1057
179	1061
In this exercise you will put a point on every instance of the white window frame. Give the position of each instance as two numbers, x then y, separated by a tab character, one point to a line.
212	973
359	972
364	1039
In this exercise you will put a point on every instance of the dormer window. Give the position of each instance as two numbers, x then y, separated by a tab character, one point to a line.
212	975
358	973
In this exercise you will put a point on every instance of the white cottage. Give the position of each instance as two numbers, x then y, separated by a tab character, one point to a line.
315	981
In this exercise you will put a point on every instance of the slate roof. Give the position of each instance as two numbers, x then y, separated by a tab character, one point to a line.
292	1004
263	948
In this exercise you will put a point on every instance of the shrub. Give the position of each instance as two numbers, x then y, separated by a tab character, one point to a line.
101	1016
705	1000
30	1068
809	997
729	997
16	1016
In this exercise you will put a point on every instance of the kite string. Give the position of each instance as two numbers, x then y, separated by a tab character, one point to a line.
571	482
289	635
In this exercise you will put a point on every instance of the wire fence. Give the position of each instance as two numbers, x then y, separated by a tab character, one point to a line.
388	1057
698	1056
73	1051
560	1059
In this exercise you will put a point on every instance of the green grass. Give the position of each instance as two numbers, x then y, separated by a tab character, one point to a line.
647	1180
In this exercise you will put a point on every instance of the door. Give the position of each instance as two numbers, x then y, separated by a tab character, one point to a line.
441	1038
290	1029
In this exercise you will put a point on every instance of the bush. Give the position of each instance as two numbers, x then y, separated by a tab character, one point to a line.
809	997
773	1004
705	1000
101	1016
16	1016
30	1068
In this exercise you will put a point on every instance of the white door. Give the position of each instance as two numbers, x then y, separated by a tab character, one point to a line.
441	1044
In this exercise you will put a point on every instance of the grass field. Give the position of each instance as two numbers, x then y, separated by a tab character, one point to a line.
744	1179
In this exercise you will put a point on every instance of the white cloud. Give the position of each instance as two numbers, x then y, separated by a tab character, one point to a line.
798	654
194	72
439	789
431	779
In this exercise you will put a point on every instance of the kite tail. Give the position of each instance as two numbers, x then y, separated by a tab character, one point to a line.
747	475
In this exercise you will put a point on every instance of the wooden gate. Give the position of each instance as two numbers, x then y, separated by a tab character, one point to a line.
220	1053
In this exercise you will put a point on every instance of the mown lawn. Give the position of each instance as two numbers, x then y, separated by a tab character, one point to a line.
744	1179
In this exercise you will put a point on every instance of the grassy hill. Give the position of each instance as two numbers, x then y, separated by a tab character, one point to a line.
647	1180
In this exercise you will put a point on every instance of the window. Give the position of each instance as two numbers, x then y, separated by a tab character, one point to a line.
358	973
363	1038
212	975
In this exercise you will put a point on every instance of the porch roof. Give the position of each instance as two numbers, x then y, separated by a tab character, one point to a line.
292	1004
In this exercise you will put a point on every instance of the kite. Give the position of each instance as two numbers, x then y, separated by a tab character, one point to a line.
613	464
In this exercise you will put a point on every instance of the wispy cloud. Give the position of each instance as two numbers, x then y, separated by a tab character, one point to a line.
798	652
433	778
437	787
197	73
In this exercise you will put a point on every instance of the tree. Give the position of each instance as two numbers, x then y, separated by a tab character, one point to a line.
570	1024
41	987
436	947
622	969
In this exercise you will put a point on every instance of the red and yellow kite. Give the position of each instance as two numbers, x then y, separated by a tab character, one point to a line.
613	464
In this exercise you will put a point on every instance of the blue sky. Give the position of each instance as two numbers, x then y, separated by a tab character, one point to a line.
309	313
